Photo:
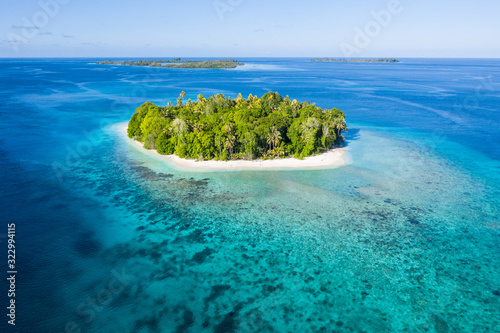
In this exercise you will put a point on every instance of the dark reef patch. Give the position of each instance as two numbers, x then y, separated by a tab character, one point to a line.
200	257
413	221
439	324
216	292
228	323
151	323
187	321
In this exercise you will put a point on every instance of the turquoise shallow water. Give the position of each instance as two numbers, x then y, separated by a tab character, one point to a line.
406	238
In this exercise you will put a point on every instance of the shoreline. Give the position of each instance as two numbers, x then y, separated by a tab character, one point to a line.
332	159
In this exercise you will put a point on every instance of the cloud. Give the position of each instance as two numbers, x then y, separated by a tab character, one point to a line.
67	36
258	30
23	27
46	34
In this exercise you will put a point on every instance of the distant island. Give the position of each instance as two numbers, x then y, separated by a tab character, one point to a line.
222	129
379	60
177	63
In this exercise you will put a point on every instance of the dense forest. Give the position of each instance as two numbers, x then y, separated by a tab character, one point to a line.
177	63
355	60
221	128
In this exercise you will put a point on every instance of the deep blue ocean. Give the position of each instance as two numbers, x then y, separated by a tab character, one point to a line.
109	239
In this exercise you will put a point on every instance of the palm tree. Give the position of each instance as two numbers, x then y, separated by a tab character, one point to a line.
250	143
219	140
270	141
309	128
209	108
295	107
340	126
230	143
276	138
326	136
180	127
182	95
200	98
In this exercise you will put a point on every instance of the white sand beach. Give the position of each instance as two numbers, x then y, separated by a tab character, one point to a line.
333	159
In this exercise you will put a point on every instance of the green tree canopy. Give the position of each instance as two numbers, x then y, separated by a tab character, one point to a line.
222	128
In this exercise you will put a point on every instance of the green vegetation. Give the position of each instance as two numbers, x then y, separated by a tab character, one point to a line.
177	63
355	60
221	128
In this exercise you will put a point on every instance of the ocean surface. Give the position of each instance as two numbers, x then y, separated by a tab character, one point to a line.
108	239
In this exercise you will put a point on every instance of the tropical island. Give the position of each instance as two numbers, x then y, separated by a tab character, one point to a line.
222	129
379	60
177	63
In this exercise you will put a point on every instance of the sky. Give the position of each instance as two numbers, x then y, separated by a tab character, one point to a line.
250	28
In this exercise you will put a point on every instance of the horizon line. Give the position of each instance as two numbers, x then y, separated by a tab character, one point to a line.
263	57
